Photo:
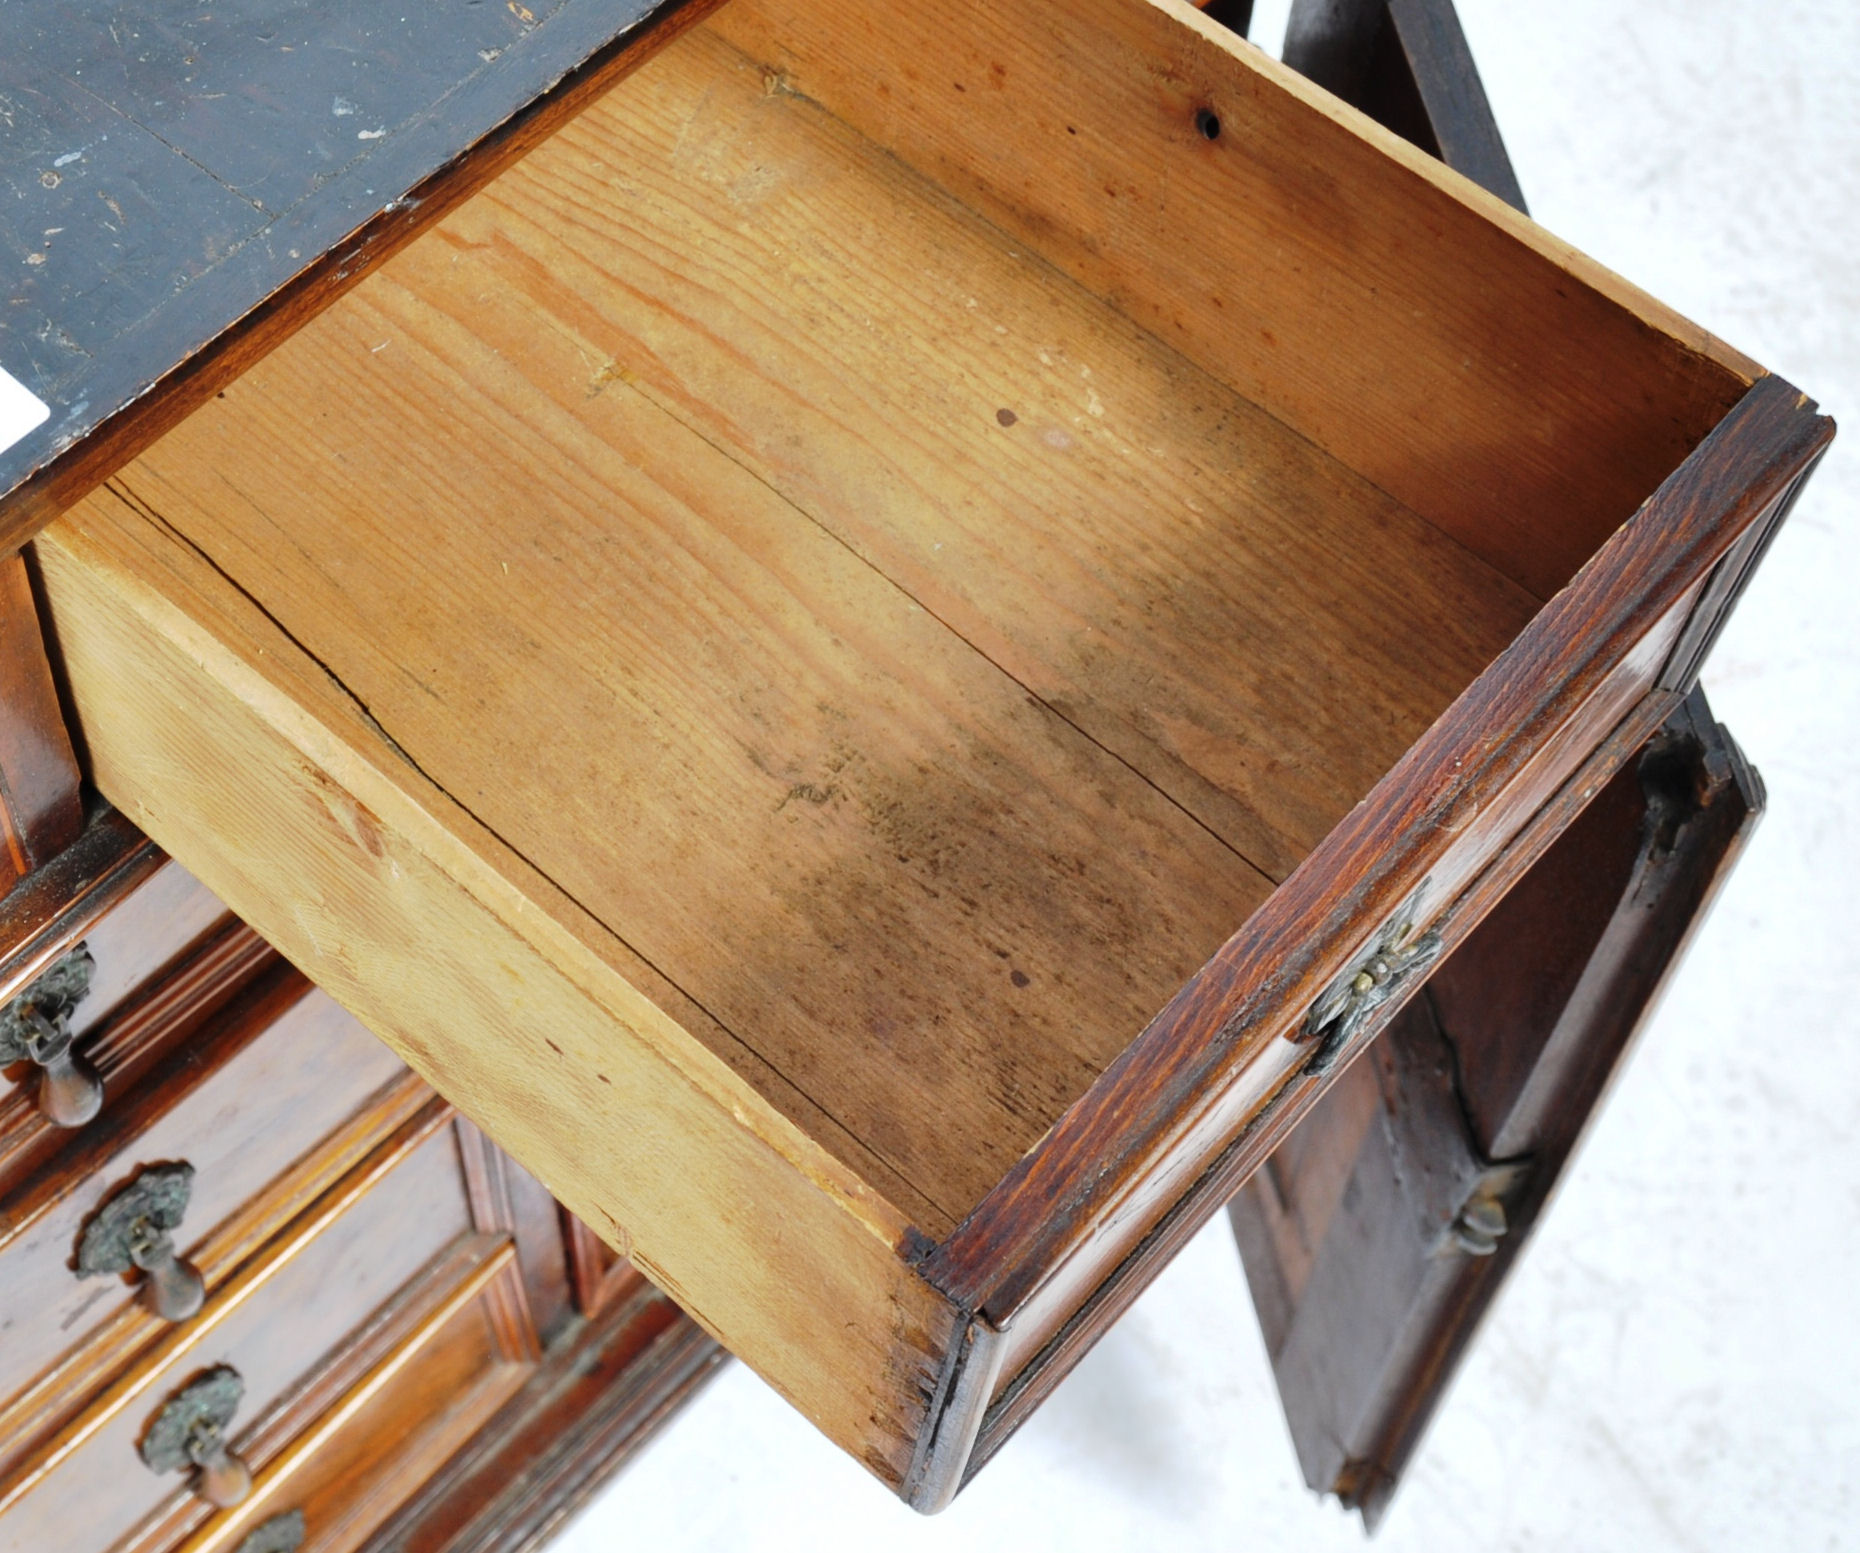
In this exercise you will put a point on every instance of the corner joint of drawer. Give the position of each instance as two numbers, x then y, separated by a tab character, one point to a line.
953	1420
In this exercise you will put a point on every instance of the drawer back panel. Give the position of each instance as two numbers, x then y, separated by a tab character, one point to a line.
1416	327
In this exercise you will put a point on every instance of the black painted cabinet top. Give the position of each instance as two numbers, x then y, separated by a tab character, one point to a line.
165	168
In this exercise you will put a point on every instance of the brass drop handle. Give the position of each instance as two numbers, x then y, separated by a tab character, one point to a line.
36	1027
134	1229
224	1479
175	1289
190	1430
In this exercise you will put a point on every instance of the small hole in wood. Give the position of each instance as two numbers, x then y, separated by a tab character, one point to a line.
1209	123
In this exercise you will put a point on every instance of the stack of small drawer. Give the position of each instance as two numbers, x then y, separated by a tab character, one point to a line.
258	1282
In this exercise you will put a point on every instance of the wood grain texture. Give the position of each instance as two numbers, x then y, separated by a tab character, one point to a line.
98	892
906	887
114	1343
352	1468
1275	1122
1406	64
40	811
433	931
542	1250
1180	882
142	938
506	1199
61	903
1381	853
1301	672
272	1433
1241	619
652	685
260	1084
1322	246
1125	1214
143	1041
598	1273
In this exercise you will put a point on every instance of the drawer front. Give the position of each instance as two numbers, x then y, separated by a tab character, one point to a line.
159	946
1478	839
469	1349
146	935
250	1094
276	1323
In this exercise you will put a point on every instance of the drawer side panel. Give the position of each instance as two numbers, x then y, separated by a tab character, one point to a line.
294	810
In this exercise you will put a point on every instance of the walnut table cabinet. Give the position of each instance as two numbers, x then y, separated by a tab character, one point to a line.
877	663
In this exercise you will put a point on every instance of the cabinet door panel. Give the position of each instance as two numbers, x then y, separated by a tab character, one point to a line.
1377	1237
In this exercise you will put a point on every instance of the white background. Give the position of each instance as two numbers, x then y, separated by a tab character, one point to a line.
1676	1362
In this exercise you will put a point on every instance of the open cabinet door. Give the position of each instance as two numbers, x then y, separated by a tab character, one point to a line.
1407	65
1378	1234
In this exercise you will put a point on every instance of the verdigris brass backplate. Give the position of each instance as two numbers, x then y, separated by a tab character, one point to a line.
1388	965
281	1534
152	1203
197	1413
52	998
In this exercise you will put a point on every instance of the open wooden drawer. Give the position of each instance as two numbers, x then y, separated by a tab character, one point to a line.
884	656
